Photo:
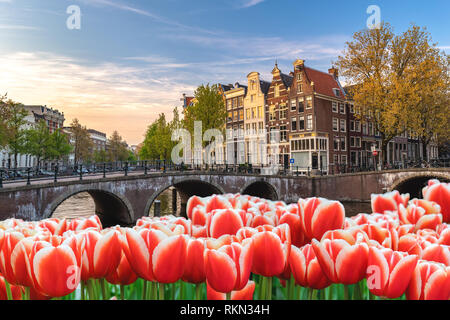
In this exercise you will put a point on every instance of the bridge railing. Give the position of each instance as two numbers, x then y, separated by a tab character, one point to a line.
27	175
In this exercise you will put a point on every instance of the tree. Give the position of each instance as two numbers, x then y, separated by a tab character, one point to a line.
38	142
386	72
59	145
158	142
12	123
100	156
117	148
81	141
209	109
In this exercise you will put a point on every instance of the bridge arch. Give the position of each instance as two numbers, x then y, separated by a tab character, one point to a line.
260	188
112	208
186	188
413	184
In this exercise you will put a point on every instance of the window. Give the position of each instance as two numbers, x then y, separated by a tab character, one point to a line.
301	107
253	113
358	126
283	133
364	128
334	106
247	114
293	105
283	114
229	106
342	108
337	92
336	144
336	159
260	127
299	88
370	129
358	142
343	159
352	141
308	102
240	101
343	144
277	91
260	112
241	114
294	124
299	76
230	116
301	123
343	125
309	122
335	124
352	108
352	125
235	115
272	115
252	97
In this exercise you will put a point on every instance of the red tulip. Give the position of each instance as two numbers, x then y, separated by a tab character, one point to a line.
340	261
389	272
216	202
270	253
192	203
82	223
16	291
430	281
123	274
439	193
225	221
444	236
139	249
194	271
169	258
306	269
244	294
429	221
228	268
295	227
55	268
55	226
382	203
199	216
102	253
437	253
10	240
19	261
320	215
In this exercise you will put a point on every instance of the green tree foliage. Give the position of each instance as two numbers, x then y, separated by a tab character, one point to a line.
81	142
60	146
117	148
38	142
158	142
12	126
209	109
394	79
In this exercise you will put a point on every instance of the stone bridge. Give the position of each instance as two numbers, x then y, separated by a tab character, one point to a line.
124	199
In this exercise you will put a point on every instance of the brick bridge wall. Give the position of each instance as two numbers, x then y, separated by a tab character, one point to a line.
123	200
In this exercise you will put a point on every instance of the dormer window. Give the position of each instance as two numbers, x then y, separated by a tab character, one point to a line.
337	92
299	76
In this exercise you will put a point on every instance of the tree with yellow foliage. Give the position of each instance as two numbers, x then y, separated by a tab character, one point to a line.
396	80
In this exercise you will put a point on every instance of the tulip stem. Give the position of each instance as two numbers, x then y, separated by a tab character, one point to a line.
346	293
103	286
181	297
90	290
149	293
357	292
144	290
262	292
83	297
291	288
8	290
122	292
269	288
228	295
161	291
198	289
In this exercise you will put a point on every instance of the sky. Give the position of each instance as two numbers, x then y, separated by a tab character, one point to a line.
132	60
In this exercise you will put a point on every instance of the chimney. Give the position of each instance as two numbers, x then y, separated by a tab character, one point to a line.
334	72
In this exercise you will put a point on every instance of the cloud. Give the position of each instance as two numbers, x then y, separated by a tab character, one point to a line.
251	3
106	96
16	27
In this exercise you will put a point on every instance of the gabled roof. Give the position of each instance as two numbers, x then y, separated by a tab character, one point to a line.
287	80
324	83
264	86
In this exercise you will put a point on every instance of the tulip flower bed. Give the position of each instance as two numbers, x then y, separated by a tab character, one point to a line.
239	247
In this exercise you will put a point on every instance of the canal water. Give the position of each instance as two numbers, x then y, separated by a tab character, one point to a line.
82	205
